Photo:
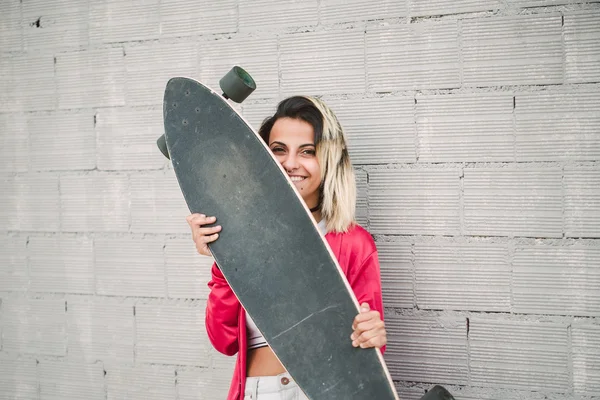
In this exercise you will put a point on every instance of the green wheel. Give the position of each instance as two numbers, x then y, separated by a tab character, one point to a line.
237	84
162	146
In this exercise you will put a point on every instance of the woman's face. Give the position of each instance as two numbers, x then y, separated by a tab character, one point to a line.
292	141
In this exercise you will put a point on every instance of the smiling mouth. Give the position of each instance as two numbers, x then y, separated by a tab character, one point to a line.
297	178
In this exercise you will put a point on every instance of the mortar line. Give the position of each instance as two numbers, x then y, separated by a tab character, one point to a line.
570	366
460	53
468	349
413	262
165	268
562	203
461	203
510	253
135	335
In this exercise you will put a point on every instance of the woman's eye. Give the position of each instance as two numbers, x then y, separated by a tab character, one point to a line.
309	152
277	150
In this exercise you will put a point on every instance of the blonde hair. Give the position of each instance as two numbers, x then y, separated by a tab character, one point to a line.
338	183
338	188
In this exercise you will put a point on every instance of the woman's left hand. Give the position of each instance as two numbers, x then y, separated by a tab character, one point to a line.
369	329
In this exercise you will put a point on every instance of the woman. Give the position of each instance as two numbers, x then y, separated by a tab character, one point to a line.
307	140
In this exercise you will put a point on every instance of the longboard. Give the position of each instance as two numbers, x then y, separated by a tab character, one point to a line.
270	250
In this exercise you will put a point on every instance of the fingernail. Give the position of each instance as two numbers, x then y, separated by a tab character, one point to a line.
355	343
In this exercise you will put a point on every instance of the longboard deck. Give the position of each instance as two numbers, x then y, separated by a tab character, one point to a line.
270	250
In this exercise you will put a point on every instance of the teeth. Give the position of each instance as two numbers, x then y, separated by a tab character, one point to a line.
296	178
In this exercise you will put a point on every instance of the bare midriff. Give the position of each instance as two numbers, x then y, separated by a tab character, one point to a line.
263	362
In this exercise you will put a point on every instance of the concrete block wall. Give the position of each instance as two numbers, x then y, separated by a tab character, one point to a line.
475	130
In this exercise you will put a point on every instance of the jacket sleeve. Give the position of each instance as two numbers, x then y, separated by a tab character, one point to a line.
222	313
366	283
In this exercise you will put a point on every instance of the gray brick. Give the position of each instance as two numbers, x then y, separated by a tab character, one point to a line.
221	362
582	201
150	66
362	210
441	7
586	358
512	201
423	56
118	21
482	393
20	203
62	23
427	348
407	201
172	335
127	138
204	383
582	46
91	78
322	62
410	393
190	17
469	127
396	274
100	330
11	38
157	204
378	130
62	141
27	83
269	15
512	50
339	11
130	267
540	3
519	354
13	263
18	378
140	383
558	125
257	55
471	276
557	280
61	264
14	143
71	381
188	272
94	202
256	113
34	326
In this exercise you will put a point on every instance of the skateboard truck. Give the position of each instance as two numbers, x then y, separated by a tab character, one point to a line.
236	85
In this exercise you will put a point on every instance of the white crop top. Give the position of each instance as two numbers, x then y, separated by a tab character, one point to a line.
255	338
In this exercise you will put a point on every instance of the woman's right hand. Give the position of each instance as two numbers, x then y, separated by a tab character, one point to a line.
203	236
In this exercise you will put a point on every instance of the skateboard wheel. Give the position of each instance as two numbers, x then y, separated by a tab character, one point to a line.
162	146
237	84
437	393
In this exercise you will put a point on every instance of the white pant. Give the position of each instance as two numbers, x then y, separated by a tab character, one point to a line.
280	387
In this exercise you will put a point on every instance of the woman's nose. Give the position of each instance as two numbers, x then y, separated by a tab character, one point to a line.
290	163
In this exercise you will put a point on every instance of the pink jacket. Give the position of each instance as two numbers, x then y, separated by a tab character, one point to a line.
226	319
